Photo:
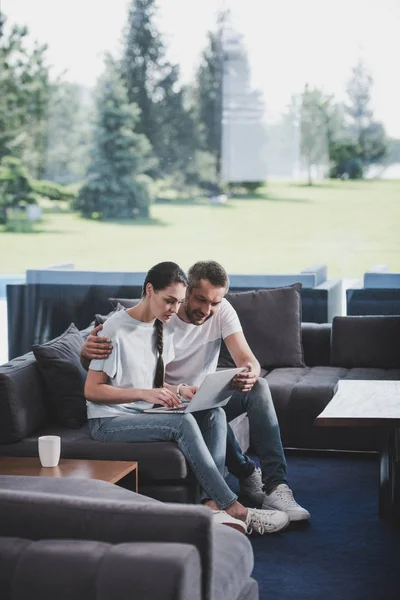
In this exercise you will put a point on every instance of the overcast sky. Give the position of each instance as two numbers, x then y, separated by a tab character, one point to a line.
289	42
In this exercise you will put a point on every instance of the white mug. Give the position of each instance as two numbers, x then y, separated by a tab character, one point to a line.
49	450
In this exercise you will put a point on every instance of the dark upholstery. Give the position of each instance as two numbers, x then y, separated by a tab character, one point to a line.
68	569
271	321
64	377
366	342
22	408
163	551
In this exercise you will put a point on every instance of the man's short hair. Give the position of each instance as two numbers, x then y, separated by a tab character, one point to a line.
208	269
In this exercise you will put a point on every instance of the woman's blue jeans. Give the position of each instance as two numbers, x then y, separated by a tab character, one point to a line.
265	436
200	436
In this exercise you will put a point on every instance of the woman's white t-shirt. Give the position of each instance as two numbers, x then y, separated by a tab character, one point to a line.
132	362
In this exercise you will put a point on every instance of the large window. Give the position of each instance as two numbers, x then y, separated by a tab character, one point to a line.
265	135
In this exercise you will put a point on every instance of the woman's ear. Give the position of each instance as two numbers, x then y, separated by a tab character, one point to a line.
149	289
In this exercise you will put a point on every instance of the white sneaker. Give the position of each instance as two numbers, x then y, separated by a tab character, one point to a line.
282	499
252	487
266	521
223	518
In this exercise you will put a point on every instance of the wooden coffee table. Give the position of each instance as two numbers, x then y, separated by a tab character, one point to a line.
105	470
377	404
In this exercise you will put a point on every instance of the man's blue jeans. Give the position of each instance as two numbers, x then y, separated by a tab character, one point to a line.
265	437
200	436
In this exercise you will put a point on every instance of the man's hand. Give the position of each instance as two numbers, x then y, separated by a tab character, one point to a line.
162	396
95	346
243	382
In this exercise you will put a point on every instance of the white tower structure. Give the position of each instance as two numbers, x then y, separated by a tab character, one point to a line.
244	142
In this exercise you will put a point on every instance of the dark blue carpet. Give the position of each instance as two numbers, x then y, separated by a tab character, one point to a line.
346	552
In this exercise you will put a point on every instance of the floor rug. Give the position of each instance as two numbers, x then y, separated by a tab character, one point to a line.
346	552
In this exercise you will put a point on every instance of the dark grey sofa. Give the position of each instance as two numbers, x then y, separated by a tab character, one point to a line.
352	348
74	538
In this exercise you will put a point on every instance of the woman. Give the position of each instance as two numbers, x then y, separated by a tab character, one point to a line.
120	387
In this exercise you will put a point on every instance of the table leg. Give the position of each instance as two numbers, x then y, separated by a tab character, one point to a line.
389	484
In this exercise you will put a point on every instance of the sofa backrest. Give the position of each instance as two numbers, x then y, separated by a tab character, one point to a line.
370	342
316	340
22	405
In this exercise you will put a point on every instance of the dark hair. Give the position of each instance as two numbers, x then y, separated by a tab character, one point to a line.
210	270
161	276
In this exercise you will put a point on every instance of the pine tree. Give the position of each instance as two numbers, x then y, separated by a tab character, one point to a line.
313	130
113	189
368	134
208	95
24	98
153	84
70	132
141	63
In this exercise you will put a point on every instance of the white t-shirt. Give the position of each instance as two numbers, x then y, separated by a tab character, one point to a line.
197	346
132	362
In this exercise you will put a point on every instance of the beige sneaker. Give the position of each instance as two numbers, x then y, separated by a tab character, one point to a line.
223	518
282	499
266	521
252	487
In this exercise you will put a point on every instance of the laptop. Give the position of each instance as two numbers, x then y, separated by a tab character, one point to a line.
216	390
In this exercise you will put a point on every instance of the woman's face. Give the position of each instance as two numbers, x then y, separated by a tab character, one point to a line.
166	302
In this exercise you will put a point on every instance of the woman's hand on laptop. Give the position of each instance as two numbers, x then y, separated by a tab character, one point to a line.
187	392
162	396
244	381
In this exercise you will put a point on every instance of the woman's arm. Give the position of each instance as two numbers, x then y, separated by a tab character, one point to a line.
97	389
186	391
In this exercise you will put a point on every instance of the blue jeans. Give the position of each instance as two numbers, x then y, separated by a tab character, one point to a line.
201	437
265	437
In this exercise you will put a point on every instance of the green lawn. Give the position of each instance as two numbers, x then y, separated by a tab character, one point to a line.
349	226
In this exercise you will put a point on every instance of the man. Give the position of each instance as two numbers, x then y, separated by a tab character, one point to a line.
202	321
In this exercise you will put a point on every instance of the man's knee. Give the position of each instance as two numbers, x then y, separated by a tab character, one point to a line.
261	388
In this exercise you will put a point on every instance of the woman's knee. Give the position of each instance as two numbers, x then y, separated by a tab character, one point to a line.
217	417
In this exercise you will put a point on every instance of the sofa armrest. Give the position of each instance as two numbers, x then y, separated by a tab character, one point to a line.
69	568
43	515
316	340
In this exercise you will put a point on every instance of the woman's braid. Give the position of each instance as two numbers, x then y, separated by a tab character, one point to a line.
159	376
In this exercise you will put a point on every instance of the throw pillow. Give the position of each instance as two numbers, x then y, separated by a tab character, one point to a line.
124	302
101	319
271	321
64	377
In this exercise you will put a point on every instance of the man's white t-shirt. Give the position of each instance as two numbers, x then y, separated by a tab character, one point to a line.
132	362
197	346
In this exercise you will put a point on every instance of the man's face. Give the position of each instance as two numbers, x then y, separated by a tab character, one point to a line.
202	302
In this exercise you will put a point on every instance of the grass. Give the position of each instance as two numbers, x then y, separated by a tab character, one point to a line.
286	227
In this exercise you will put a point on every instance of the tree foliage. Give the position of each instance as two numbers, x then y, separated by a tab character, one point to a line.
368	134
70	118
313	130
24	98
153	84
118	156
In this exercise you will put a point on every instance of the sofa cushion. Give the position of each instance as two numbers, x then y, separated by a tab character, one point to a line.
271	321
22	408
64	377
366	342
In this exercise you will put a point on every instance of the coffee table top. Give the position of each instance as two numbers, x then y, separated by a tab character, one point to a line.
105	470
360	402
